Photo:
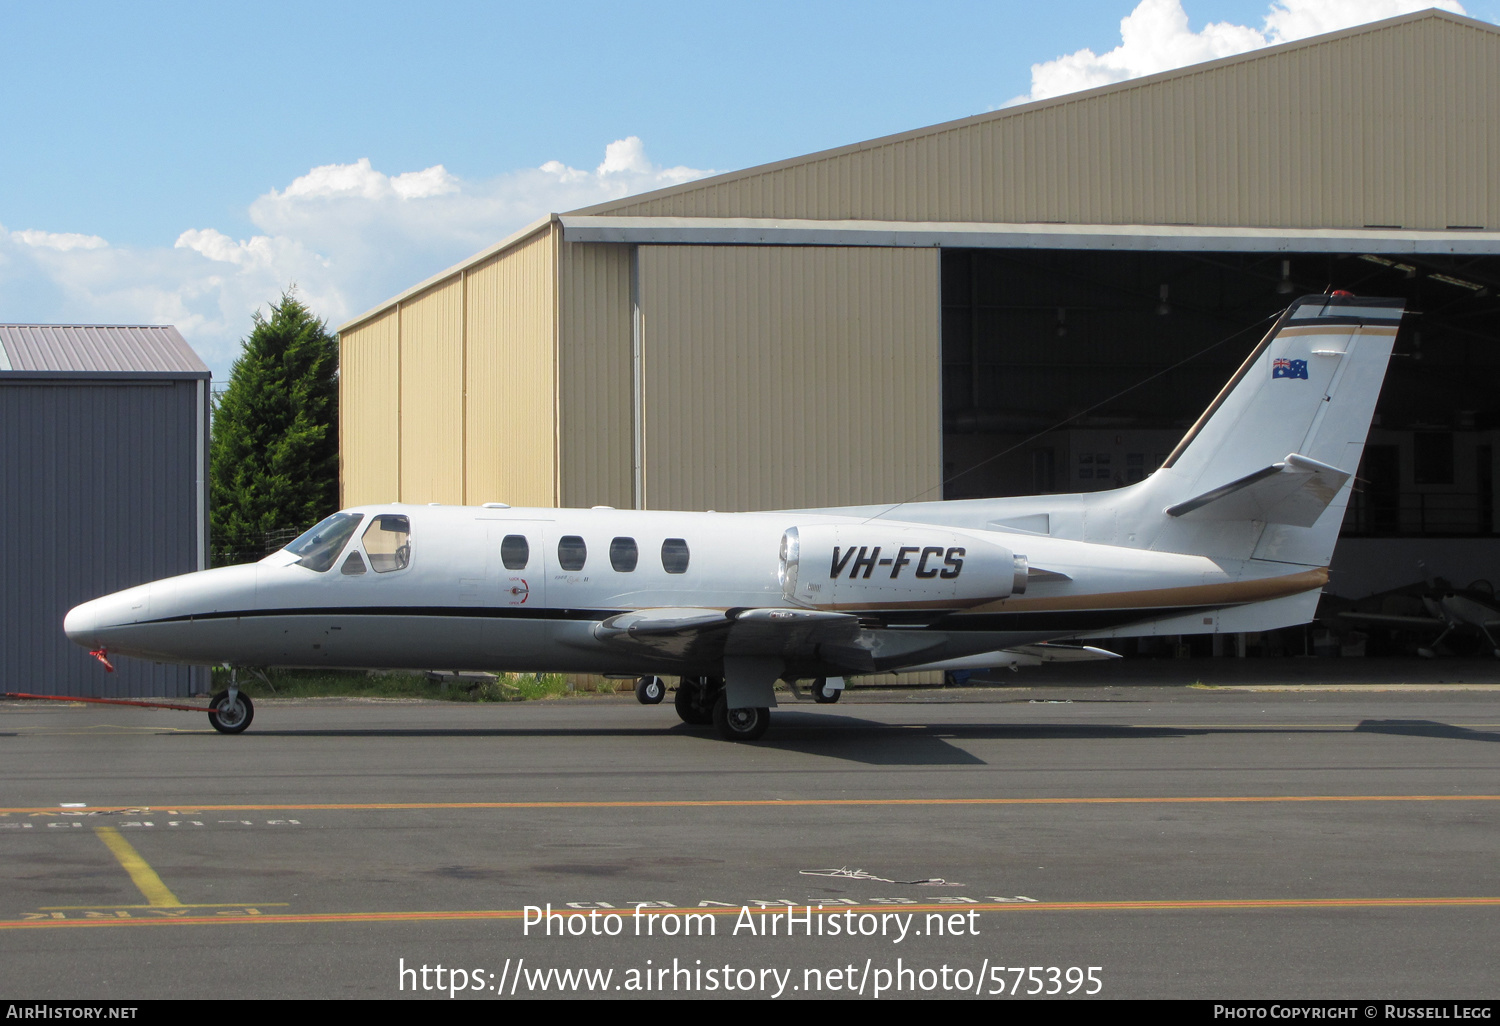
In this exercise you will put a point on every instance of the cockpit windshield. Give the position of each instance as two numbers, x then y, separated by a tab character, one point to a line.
319	546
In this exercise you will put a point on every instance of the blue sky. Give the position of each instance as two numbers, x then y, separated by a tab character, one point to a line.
184	162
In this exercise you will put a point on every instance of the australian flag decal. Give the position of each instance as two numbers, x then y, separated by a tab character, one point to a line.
1289	369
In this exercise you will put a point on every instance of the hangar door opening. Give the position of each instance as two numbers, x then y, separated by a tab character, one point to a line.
1033	339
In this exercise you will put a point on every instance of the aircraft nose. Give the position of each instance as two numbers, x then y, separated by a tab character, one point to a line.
82	622
87	622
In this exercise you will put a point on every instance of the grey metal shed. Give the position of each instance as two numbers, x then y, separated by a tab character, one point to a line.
103	485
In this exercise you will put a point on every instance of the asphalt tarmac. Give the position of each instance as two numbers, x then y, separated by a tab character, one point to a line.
985	843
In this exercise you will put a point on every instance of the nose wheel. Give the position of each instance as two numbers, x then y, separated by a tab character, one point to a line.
230	712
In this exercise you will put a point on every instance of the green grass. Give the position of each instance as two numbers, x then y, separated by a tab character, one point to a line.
507	687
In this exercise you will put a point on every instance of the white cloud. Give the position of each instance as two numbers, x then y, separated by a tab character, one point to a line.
61	241
361	181
348	235
1155	37
624	155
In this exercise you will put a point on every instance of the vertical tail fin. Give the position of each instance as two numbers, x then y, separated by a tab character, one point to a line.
1279	444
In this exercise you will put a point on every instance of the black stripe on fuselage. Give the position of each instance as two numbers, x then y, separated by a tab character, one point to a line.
1067	620
467	612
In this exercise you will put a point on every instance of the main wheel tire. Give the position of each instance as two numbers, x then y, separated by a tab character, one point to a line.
689	703
231	718
821	692
650	690
740	724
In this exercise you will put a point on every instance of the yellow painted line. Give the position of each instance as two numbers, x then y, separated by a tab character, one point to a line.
747	803
141	874
218	904
315	918
44	732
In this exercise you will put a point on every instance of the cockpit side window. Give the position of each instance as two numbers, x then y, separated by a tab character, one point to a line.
321	544
354	564
387	542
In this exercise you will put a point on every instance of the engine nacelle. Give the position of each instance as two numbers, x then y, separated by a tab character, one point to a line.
872	566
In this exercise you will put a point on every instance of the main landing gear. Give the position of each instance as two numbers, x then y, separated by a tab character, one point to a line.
703	700
650	690
695	699
826	691
740	724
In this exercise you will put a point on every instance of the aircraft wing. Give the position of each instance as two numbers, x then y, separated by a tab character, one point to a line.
1019	655
698	633
1415	623
1295	491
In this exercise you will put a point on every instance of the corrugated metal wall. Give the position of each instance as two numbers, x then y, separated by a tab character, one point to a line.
790	376
100	490
595	419
510	419
449	395
432	395
1395	125
370	412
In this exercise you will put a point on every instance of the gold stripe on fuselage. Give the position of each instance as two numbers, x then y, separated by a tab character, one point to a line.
1230	593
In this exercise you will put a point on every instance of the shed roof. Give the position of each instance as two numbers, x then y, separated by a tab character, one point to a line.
98	349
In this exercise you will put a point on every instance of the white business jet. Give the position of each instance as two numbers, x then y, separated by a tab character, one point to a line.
1234	532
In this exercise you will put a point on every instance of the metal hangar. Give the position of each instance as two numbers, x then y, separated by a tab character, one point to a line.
912	317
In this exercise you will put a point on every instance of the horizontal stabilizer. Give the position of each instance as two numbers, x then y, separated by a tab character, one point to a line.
1395	621
1295	491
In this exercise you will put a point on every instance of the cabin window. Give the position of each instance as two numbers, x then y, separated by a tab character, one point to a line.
674	555
571	552
388	543
623	555
321	544
515	553
354	565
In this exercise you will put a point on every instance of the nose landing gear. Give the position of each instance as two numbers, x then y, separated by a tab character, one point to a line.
230	712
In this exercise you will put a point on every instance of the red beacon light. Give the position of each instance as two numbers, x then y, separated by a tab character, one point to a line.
1342	294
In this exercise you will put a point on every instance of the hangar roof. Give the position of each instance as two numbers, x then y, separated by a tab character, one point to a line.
1393	124
96	349
1375	139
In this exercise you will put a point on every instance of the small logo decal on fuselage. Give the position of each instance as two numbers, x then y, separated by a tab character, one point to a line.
1289	369
926	561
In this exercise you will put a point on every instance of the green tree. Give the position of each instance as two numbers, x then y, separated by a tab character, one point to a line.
274	450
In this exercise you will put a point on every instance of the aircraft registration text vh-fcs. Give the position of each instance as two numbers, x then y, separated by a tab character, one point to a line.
1234	532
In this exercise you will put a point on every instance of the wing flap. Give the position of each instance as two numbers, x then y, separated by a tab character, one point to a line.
728	632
